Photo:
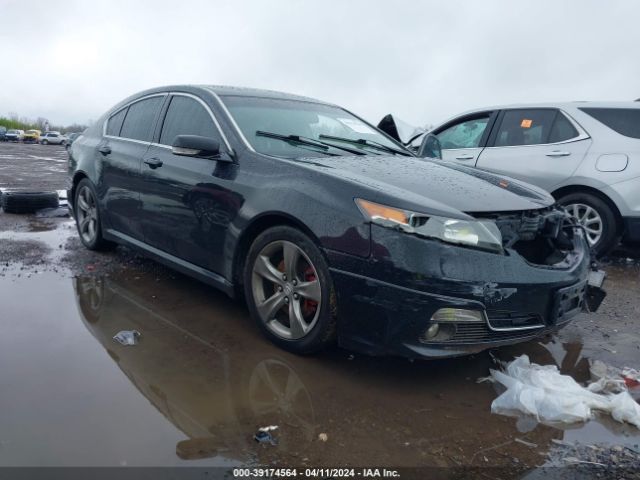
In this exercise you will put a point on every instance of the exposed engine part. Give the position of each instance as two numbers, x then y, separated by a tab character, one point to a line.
543	237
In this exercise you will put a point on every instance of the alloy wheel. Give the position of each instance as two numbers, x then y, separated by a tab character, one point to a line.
589	218
87	214
286	290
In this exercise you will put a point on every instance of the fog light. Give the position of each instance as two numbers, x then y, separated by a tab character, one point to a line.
432	331
457	315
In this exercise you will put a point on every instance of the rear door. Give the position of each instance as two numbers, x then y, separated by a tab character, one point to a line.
542	146
188	202
463	139
127	136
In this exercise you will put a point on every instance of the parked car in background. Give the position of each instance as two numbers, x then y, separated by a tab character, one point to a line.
54	138
327	227
3	131
31	136
14	135
586	154
70	139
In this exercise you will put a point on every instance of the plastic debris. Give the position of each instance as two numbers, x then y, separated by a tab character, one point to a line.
127	337
264	437
542	391
323	437
268	428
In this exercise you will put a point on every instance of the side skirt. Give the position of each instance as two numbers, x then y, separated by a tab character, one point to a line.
199	273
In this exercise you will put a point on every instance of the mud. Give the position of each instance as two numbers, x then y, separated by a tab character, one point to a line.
202	380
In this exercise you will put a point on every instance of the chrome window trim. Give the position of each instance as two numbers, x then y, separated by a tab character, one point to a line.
104	124
233	121
208	110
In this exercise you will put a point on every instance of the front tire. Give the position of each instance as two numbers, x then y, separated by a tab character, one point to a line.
88	217
597	217
289	290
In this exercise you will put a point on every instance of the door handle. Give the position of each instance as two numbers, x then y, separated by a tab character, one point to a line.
105	149
153	162
558	153
465	157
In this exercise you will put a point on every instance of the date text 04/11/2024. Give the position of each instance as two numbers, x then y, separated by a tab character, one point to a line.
242	473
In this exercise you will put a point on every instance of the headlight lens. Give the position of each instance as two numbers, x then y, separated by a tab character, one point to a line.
475	233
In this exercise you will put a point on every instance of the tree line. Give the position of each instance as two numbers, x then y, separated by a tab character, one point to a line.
15	122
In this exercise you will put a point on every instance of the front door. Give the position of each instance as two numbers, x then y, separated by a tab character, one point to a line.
463	139
187	201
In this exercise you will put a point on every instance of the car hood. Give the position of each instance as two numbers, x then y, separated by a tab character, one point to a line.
440	187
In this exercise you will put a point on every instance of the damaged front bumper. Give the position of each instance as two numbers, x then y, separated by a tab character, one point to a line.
391	302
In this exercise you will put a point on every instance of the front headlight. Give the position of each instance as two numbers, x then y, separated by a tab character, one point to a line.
474	233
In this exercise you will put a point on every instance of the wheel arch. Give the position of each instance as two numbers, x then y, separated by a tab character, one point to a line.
77	178
569	189
251	232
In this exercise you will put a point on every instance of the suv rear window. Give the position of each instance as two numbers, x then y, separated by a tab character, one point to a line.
625	121
534	127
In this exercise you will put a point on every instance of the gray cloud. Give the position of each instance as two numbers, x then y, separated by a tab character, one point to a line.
424	61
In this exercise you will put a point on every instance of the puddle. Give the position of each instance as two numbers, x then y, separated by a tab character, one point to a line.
202	380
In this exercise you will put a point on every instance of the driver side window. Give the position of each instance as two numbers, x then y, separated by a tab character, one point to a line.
464	134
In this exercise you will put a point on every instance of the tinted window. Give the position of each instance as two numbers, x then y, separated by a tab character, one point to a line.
138	124
186	116
562	130
115	123
466	134
625	121
525	127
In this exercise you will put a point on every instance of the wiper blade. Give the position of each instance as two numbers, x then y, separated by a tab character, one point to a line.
368	143
308	141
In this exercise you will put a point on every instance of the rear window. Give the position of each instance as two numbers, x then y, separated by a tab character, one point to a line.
534	127
625	121
115	123
138	124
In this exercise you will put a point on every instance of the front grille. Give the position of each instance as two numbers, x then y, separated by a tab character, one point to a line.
504	320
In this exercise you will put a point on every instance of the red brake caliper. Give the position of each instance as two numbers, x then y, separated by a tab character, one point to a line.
309	306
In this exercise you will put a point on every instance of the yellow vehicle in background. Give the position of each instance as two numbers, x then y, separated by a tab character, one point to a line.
32	136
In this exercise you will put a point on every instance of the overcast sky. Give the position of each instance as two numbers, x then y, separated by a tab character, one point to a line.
69	61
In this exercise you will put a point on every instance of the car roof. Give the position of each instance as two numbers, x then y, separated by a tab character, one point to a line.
257	92
561	105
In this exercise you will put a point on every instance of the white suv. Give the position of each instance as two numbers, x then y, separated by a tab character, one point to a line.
586	154
55	138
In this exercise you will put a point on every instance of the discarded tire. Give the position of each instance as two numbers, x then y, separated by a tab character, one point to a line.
28	202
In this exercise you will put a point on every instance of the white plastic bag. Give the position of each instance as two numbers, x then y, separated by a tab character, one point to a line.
541	391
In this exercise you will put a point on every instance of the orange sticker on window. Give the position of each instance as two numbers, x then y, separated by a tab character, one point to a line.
525	123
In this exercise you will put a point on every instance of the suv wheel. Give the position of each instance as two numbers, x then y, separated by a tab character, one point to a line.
597	218
87	214
45	142
289	290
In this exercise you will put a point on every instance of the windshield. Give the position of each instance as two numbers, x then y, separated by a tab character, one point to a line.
314	122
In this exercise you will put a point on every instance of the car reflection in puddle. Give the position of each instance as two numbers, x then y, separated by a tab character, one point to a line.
205	367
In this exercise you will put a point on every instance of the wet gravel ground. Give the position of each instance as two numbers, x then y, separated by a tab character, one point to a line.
203	380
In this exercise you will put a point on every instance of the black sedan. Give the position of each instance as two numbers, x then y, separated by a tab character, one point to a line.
329	228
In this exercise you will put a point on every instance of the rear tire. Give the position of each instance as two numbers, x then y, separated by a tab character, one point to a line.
289	291
86	212
45	142
597	217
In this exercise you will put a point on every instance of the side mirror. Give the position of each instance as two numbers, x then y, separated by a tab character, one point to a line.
430	147
196	146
